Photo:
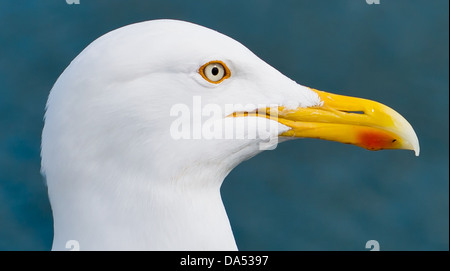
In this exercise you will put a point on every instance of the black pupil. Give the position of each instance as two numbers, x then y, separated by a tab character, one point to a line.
215	71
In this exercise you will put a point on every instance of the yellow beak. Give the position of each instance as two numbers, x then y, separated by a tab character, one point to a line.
364	123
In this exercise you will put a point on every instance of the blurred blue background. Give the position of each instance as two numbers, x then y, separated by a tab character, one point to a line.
305	195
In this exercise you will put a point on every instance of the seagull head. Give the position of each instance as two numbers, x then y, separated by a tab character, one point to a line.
169	108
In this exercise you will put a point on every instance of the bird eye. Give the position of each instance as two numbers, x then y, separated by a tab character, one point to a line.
214	71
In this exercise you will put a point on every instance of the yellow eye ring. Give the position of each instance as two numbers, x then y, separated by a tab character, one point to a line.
215	71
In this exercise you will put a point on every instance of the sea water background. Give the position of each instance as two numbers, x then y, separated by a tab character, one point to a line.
305	195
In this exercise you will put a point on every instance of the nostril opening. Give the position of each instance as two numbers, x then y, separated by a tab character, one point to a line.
354	112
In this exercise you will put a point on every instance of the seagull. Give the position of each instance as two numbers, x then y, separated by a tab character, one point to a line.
146	122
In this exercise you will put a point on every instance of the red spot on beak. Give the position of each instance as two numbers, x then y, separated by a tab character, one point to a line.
376	140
